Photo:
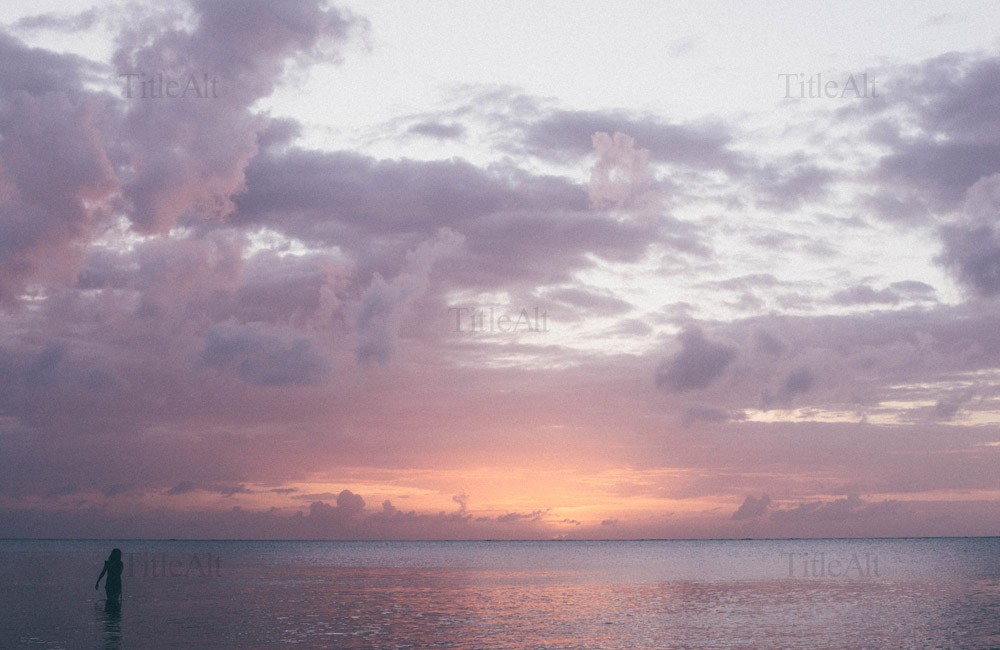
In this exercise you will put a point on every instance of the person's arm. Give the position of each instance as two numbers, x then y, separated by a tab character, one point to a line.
98	583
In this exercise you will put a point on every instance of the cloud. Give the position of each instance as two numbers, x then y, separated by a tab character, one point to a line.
797	382
166	157
767	343
589	302
184	487
951	98
898	207
513	248
946	409
705	413
789	185
697	365
561	135
324	195
262	357
115	489
519	516
190	153
350	503
69	489
296	291
862	294
974	255
621	176
438	130
39	72
752	508
971	244
851	507
230	490
68	23
381	308
349	506
518	227
205	290
51	131
914	289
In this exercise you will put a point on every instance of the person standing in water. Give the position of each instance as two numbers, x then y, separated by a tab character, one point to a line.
113	566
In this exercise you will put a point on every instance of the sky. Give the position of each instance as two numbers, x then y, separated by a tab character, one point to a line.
520	270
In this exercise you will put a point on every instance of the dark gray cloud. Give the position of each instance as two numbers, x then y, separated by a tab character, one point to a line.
795	383
377	314
849	508
747	282
349	507
706	413
260	356
971	242
899	208
630	327
115	489
973	253
862	294
515	517
546	248
945	169
230	490
292	290
952	98
841	363
589	302
60	22
945	409
752	507
280	132
697	365
437	130
567	134
184	487
315	195
69	489
766	342
787	186
38	72
913	288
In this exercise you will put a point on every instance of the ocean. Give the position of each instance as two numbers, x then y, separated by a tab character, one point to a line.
858	594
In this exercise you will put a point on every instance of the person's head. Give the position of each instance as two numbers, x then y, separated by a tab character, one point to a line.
116	555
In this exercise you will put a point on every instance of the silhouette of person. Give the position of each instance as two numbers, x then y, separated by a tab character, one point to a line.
113	566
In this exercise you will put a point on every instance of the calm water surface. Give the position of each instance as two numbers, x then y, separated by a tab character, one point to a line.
816	594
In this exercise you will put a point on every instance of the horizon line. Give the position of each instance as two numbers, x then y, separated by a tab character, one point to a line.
595	539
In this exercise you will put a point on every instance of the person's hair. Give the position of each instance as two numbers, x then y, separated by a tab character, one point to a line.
115	556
